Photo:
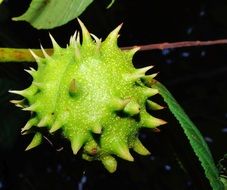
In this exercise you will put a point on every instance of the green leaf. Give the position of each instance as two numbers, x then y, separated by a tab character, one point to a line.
46	14
1	1
195	138
111	3
224	181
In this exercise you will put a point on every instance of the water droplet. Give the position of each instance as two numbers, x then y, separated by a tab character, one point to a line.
203	53
167	167
202	13
59	168
185	54
165	52
169	61
189	30
82	182
208	139
224	130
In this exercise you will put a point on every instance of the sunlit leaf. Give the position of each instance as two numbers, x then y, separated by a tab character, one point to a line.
46	14
195	138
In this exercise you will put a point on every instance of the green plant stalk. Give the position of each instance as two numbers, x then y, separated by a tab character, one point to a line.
20	55
23	55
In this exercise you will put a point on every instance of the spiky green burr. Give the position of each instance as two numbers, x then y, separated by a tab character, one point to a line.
91	88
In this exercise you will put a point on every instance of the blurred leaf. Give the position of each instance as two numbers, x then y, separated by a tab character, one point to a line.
111	3
195	138
1	1
224	181
46	14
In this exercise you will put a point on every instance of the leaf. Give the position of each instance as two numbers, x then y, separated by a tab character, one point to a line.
1	1
111	3
195	138
46	14
224	181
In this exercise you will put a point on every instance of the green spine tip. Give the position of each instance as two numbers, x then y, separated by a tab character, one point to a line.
97	40
76	143
154	106
29	124
45	54
122	151
78	38
72	88
57	125
91	148
36	57
33	107
56	47
36	141
129	53
140	149
112	37
148	80
151	122
85	33
134	77
151	92
72	40
18	92
44	121
19	103
132	108
87	157
119	104
109	163
30	72
144	69
97	129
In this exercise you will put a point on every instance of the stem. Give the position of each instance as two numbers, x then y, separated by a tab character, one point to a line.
20	55
23	55
167	45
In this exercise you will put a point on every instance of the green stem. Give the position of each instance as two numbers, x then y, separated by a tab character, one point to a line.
20	55
23	55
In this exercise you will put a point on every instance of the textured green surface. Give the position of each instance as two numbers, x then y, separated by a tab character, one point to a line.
45	14
91	89
224	181
195	138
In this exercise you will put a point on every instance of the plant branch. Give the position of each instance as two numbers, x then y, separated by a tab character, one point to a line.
20	55
23	55
167	45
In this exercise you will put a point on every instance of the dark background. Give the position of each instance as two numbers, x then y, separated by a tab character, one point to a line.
196	76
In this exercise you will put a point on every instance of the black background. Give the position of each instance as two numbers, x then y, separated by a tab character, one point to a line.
196	76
